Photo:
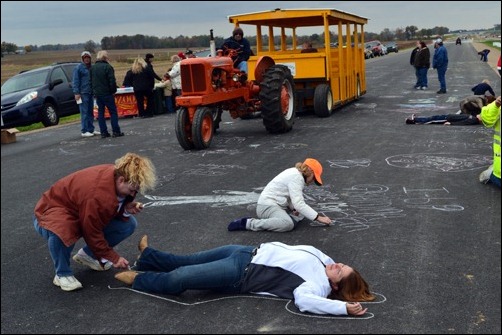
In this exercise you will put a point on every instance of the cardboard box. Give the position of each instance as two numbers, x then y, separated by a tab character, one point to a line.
9	135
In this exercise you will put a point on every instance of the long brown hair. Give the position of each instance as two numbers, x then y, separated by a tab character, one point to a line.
352	288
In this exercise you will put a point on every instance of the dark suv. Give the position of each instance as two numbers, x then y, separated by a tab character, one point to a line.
40	95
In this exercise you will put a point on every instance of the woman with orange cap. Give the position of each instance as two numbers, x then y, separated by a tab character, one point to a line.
281	204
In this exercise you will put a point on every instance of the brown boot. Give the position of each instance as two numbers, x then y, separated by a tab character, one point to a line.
143	243
126	277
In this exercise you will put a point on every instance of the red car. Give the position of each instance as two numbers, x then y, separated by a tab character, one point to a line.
376	47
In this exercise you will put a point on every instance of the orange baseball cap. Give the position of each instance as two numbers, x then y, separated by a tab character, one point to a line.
316	167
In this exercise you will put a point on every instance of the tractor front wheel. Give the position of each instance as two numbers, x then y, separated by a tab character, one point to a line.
202	128
277	96
183	129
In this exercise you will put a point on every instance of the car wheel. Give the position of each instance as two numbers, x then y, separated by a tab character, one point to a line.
49	116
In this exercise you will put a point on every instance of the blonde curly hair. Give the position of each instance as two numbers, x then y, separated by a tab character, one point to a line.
136	170
304	169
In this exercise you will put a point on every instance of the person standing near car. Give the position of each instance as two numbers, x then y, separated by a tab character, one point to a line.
82	90
440	63
104	87
97	204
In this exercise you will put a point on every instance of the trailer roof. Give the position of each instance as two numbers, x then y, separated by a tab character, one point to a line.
291	18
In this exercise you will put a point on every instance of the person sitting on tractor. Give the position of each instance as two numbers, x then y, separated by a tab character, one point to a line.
241	49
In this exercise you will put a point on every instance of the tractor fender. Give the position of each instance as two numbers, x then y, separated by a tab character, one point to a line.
263	63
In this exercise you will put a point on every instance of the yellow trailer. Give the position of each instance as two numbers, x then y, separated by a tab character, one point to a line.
328	78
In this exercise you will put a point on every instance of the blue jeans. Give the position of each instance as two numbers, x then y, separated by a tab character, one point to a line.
169	104
442	77
115	232
422	76
107	101
243	66
221	269
87	113
495	180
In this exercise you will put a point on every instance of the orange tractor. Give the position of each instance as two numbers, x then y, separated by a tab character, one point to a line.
211	85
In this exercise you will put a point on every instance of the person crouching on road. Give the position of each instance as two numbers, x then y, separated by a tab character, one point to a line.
281	204
98	204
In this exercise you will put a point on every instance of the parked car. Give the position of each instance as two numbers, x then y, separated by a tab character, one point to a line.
392	47
368	53
39	95
376	47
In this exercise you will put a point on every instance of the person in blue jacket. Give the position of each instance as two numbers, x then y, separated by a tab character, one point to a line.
440	64
82	90
241	45
303	273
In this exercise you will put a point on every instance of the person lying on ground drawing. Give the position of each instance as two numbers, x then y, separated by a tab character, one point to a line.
315	282
281	204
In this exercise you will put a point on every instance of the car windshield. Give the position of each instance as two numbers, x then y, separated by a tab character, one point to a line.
25	81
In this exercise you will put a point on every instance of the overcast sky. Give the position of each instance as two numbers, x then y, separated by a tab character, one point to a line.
68	22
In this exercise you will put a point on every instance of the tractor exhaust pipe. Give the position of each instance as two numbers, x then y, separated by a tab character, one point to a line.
212	44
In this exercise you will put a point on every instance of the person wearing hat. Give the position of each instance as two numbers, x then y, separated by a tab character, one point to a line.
82	90
240	44
440	64
148	60
281	204
189	54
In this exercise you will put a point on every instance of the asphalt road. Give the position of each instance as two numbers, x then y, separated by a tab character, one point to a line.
410	215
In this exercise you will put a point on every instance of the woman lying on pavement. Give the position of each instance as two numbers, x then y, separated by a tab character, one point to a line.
301	272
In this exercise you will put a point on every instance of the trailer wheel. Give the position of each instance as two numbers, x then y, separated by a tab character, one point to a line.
277	96
358	89
202	128
323	100
183	129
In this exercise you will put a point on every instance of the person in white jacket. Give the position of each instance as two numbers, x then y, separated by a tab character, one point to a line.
175	74
302	273
281	204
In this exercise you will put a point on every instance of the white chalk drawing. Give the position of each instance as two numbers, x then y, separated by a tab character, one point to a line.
352	209
355	208
446	144
220	198
349	163
441	162
290	307
365	105
212	170
436	198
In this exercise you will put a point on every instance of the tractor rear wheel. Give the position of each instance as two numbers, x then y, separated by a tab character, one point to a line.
277	96
202	128
323	100
183	129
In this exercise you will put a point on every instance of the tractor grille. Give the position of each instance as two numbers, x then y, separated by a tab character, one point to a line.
193	78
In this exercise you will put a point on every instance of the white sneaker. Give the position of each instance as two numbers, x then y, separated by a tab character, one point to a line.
97	132
484	176
87	134
67	283
94	264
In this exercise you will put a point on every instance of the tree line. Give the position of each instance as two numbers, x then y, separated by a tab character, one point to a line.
140	41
